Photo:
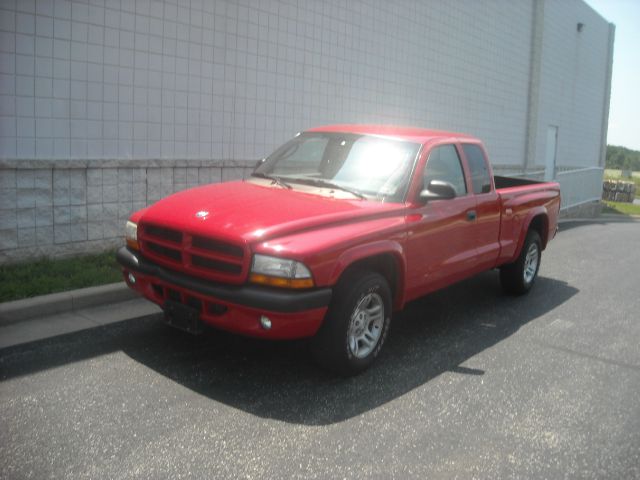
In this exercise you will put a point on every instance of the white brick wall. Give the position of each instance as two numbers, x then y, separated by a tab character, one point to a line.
217	79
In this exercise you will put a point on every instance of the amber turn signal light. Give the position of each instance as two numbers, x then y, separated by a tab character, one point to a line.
280	281
133	244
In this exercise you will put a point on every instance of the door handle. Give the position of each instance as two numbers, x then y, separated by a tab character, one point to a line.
471	215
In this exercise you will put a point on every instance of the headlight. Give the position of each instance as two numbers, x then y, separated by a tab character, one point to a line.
131	235
280	272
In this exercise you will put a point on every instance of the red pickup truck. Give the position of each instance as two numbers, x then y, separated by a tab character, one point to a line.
333	232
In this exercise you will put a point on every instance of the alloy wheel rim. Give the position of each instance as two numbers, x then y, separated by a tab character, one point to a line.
365	327
531	263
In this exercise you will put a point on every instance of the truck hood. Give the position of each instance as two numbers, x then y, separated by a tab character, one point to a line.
250	212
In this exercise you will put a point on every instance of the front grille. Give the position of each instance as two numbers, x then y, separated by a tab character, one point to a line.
164	233
216	264
171	253
217	246
201	256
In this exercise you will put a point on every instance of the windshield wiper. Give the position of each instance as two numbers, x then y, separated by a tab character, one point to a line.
318	182
274	180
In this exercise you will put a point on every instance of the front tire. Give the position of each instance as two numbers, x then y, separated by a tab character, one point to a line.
356	325
518	277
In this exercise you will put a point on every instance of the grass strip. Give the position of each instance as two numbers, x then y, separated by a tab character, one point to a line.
43	276
620	208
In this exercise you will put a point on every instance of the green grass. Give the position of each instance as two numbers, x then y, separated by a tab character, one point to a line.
610	174
620	208
44	276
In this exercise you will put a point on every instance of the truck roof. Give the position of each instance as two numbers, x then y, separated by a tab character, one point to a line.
413	134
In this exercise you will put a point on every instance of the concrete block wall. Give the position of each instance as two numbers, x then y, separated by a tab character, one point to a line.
81	207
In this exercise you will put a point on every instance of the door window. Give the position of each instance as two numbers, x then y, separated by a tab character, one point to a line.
444	164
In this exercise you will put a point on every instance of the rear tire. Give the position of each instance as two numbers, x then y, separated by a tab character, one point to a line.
518	277
356	325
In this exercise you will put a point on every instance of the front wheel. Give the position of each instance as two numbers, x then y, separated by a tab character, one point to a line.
518	277
356	324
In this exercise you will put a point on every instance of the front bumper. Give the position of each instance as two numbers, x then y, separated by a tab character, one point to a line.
293	314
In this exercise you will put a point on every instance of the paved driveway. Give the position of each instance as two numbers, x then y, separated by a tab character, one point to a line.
471	384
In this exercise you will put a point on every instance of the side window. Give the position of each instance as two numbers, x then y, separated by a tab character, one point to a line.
444	164
478	166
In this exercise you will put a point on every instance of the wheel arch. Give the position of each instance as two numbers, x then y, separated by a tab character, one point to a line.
538	220
540	223
386	259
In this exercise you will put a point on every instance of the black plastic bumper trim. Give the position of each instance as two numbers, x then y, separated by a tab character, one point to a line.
250	296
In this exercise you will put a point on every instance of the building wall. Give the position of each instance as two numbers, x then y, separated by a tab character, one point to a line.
105	106
143	79
573	82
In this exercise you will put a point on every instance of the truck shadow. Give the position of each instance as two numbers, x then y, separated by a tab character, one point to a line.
277	380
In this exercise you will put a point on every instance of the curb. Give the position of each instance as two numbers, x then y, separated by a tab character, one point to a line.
46	305
603	217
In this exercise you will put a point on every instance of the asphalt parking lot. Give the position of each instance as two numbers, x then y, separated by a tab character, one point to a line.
471	384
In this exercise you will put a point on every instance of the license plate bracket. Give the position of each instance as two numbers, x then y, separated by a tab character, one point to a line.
182	317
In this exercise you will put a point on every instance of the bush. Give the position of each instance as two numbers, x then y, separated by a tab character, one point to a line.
622	158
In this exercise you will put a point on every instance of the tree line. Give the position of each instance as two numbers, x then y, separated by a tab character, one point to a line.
622	158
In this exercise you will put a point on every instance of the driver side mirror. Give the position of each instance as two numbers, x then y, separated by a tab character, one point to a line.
438	190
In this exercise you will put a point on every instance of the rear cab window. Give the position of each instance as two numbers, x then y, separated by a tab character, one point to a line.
480	177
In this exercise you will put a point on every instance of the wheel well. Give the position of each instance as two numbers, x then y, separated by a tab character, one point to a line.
539	223
384	264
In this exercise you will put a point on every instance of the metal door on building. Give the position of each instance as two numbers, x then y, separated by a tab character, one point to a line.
550	155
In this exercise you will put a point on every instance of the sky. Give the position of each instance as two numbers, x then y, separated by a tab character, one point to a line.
624	113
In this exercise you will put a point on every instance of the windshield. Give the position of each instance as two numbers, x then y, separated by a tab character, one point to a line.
364	165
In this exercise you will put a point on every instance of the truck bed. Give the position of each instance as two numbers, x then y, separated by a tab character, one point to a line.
508	182
522	199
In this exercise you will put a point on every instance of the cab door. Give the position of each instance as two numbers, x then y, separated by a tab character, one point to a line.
486	230
440	242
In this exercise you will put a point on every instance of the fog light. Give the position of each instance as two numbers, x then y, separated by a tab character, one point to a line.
132	279
265	322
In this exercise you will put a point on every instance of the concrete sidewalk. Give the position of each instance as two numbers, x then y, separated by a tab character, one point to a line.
45	316
46	326
62	302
